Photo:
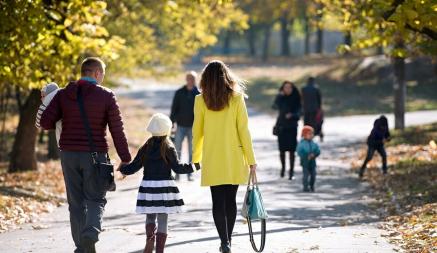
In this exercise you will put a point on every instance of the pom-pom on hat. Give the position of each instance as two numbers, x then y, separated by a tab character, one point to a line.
307	129
159	125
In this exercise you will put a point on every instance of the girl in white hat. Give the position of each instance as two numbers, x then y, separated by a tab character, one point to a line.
158	194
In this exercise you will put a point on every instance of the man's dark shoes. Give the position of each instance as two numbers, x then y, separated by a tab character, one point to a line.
306	190
225	247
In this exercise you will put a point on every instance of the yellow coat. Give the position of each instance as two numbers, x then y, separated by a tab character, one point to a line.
222	142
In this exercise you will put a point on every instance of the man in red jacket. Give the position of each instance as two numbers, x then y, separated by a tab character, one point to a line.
86	199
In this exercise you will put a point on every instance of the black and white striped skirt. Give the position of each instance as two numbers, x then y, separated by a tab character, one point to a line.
159	196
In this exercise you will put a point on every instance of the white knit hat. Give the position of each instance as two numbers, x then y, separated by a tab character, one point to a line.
159	125
49	88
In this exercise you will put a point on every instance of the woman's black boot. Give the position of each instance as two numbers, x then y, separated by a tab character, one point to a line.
225	247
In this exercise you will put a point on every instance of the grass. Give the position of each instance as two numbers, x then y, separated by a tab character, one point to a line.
417	135
345	90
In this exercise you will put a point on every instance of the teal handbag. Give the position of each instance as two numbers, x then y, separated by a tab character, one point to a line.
253	209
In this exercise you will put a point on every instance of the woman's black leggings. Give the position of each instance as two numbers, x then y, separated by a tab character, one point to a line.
224	209
282	157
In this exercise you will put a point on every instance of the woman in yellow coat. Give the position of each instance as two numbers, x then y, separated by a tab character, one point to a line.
222	143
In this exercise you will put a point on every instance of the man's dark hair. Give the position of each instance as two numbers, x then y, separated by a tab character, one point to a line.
311	80
92	64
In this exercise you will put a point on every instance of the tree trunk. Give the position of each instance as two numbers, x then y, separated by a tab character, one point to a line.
380	50
348	38
319	41
23	151
285	35
266	43
4	112
251	39
227	43
400	89
307	36
435	65
52	146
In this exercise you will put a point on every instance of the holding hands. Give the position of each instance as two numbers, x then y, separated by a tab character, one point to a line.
121	176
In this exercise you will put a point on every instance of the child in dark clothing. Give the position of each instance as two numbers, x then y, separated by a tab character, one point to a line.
375	142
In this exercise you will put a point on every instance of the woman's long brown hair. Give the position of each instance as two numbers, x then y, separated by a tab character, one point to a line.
218	84
165	148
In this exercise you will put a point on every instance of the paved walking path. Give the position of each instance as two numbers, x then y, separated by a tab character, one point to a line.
334	219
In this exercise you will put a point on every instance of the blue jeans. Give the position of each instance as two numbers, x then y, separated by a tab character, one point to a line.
181	133
309	172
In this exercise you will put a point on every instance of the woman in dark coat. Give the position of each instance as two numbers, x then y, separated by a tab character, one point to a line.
288	103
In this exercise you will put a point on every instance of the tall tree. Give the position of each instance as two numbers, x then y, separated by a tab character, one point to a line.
285	34
408	27
319	31
42	41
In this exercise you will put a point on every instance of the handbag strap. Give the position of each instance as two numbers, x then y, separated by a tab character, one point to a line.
263	235
253	180
86	123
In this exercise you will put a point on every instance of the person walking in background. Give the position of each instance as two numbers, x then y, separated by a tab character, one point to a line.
222	144
288	103
48	92
182	114
158	194
85	192
375	142
308	151
312	107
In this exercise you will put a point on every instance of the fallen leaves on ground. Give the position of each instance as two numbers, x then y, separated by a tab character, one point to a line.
407	195
415	231
25	195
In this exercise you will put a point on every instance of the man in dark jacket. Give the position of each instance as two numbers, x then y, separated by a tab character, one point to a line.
312	106
86	197
182	113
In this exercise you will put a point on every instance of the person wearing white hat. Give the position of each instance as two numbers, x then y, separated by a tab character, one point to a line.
158	194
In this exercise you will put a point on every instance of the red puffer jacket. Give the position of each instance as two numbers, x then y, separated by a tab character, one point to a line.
102	110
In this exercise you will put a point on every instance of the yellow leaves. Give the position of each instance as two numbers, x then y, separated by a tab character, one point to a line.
99	5
415	230
7	69
411	14
433	145
68	22
343	49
